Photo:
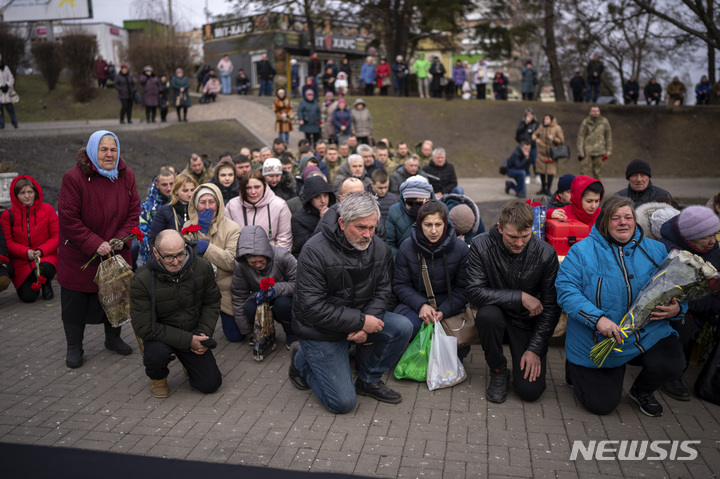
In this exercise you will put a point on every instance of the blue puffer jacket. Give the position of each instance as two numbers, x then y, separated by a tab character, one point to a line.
598	279
447	268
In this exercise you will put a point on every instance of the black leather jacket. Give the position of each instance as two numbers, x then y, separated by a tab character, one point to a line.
498	277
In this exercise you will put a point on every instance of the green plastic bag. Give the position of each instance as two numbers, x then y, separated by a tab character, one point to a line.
414	363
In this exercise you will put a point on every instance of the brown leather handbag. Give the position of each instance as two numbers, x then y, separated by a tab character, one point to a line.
461	326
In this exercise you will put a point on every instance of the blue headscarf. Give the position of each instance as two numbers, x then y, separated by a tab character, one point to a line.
92	153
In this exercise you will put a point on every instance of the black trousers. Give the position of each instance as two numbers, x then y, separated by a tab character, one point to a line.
493	328
150	112
25	291
312	138
126	109
599	390
202	369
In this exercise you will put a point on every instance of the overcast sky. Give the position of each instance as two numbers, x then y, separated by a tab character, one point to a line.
187	12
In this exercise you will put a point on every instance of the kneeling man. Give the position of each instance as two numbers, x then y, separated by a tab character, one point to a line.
511	279
174	305
342	295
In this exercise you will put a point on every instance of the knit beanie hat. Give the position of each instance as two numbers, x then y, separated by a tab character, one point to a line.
272	166
309	169
697	222
637	166
564	182
203	191
463	218
416	187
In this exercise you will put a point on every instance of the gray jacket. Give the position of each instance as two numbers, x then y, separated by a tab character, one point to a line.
281	266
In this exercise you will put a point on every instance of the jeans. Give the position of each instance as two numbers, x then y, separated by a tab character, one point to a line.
284	136
266	87
519	177
326	367
593	90
11	111
226	82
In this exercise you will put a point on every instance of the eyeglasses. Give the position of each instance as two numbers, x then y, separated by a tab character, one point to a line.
171	258
415	202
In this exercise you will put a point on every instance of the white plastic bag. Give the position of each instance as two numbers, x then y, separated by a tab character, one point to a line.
445	369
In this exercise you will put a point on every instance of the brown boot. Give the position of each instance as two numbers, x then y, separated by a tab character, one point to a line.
159	388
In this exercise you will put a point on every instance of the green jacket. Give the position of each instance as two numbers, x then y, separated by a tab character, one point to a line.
595	137
421	67
185	304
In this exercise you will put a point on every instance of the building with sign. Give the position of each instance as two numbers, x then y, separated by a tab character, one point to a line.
282	37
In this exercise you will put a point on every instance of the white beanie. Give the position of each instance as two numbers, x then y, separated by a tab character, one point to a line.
203	191
272	166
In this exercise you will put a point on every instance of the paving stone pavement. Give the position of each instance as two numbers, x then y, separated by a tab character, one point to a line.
258	418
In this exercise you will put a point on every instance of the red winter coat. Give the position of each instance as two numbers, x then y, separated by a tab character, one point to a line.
93	209
383	75
33	227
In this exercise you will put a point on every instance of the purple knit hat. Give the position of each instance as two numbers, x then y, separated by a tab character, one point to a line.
309	169
697	222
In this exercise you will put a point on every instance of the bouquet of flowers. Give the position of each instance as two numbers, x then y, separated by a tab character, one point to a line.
41	280
135	233
683	276
264	341
191	230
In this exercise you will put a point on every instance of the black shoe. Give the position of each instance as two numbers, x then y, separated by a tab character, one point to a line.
520	195
122	122
74	356
117	345
676	390
47	291
377	391
294	373
647	402
541	192
129	122
507	187
499	383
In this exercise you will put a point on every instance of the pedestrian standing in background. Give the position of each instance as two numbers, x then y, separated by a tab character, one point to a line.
437	71
266	72
310	118
401	72
479	70
459	76
226	68
368	75
150	93
181	98
383	76
294	78
421	68
283	109
577	85
529	81
595	70
101	72
163	96
500	84
125	86
594	142
7	82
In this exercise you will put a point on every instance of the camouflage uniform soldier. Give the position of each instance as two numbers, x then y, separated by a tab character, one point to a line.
594	143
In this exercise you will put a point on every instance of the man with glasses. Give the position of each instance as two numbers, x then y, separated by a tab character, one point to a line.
174	305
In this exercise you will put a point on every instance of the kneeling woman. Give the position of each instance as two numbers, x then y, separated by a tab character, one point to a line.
31	231
432	237
598	281
256	259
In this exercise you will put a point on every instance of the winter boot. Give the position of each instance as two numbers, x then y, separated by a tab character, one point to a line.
159	388
113	342
74	335
548	185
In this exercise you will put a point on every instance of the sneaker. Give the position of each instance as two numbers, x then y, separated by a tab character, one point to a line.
647	402
676	390
499	383
537	180
377	391
296	378
527	180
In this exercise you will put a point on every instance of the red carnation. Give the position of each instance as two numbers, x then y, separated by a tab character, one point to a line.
41	279
267	283
184	231
194	228
135	231
319	122
344	123
35	287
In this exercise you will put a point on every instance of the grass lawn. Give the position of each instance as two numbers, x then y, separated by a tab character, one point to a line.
38	104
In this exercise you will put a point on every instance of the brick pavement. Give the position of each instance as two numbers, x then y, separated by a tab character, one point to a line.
258	418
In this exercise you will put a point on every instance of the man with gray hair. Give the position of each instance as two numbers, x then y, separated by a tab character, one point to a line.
371	164
343	292
354	167
442	175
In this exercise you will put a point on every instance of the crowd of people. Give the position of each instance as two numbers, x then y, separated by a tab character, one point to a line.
346	232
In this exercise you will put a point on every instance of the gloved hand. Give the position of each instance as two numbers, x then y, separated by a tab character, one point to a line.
265	296
5	88
202	246
204	219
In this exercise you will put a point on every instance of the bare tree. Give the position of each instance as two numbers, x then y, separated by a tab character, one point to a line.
699	18
550	48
